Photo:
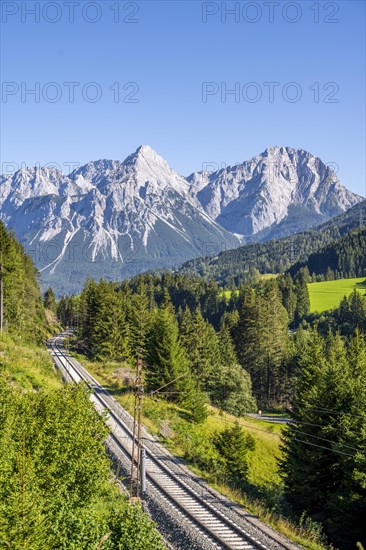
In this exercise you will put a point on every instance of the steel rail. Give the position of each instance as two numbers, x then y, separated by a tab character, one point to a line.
169	483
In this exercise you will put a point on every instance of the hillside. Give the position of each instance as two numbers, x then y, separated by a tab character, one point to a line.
49	433
341	258
275	256
23	309
193	444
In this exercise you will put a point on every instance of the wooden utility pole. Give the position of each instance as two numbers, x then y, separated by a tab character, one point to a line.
137	433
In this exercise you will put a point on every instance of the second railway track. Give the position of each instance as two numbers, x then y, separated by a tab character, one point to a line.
224	530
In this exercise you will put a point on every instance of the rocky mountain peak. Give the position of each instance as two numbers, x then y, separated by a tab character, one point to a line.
146	159
148	169
142	210
250	197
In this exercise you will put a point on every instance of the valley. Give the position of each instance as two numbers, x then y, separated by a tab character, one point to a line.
182	275
211	356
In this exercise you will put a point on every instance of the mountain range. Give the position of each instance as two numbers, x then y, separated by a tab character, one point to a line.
116	219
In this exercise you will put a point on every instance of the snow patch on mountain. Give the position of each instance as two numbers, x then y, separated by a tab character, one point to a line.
117	218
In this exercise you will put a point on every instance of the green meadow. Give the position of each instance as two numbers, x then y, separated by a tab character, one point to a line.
328	294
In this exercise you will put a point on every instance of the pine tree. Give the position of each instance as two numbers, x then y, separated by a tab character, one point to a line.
49	300
167	302
201	344
110	330
140	321
276	328
300	466
168	371
104	331
234	444
229	385
346	505
302	294
226	346
186	325
192	398
211	305
69	311
324	466
261	339
286	286
23	308
165	357
246	333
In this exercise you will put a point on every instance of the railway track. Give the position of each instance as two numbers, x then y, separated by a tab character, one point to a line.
174	484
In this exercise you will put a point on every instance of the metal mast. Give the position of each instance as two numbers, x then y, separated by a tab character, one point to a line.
137	432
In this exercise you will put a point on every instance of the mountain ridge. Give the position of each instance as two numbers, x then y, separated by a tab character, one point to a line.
117	218
276	256
280	177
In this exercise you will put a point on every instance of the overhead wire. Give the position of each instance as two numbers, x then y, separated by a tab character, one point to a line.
301	441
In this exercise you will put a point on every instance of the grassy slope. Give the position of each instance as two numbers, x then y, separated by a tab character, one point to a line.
328	294
263	472
263	460
29	366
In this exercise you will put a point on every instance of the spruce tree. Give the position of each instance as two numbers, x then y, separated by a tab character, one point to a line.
226	346
229	386
140	321
23	308
261	339
201	344
324	464
302	294
167	302
165	357
168	371
276	337
234	445
246	336
286	286
49	300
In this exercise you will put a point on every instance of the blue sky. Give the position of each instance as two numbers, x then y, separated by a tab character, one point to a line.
163	53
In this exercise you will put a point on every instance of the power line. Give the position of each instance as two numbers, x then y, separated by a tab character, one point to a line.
320	409
321	447
302	422
295	439
168	384
253	427
328	440
329	411
137	422
294	422
126	402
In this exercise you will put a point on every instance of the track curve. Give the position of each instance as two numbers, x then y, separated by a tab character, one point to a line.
166	476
